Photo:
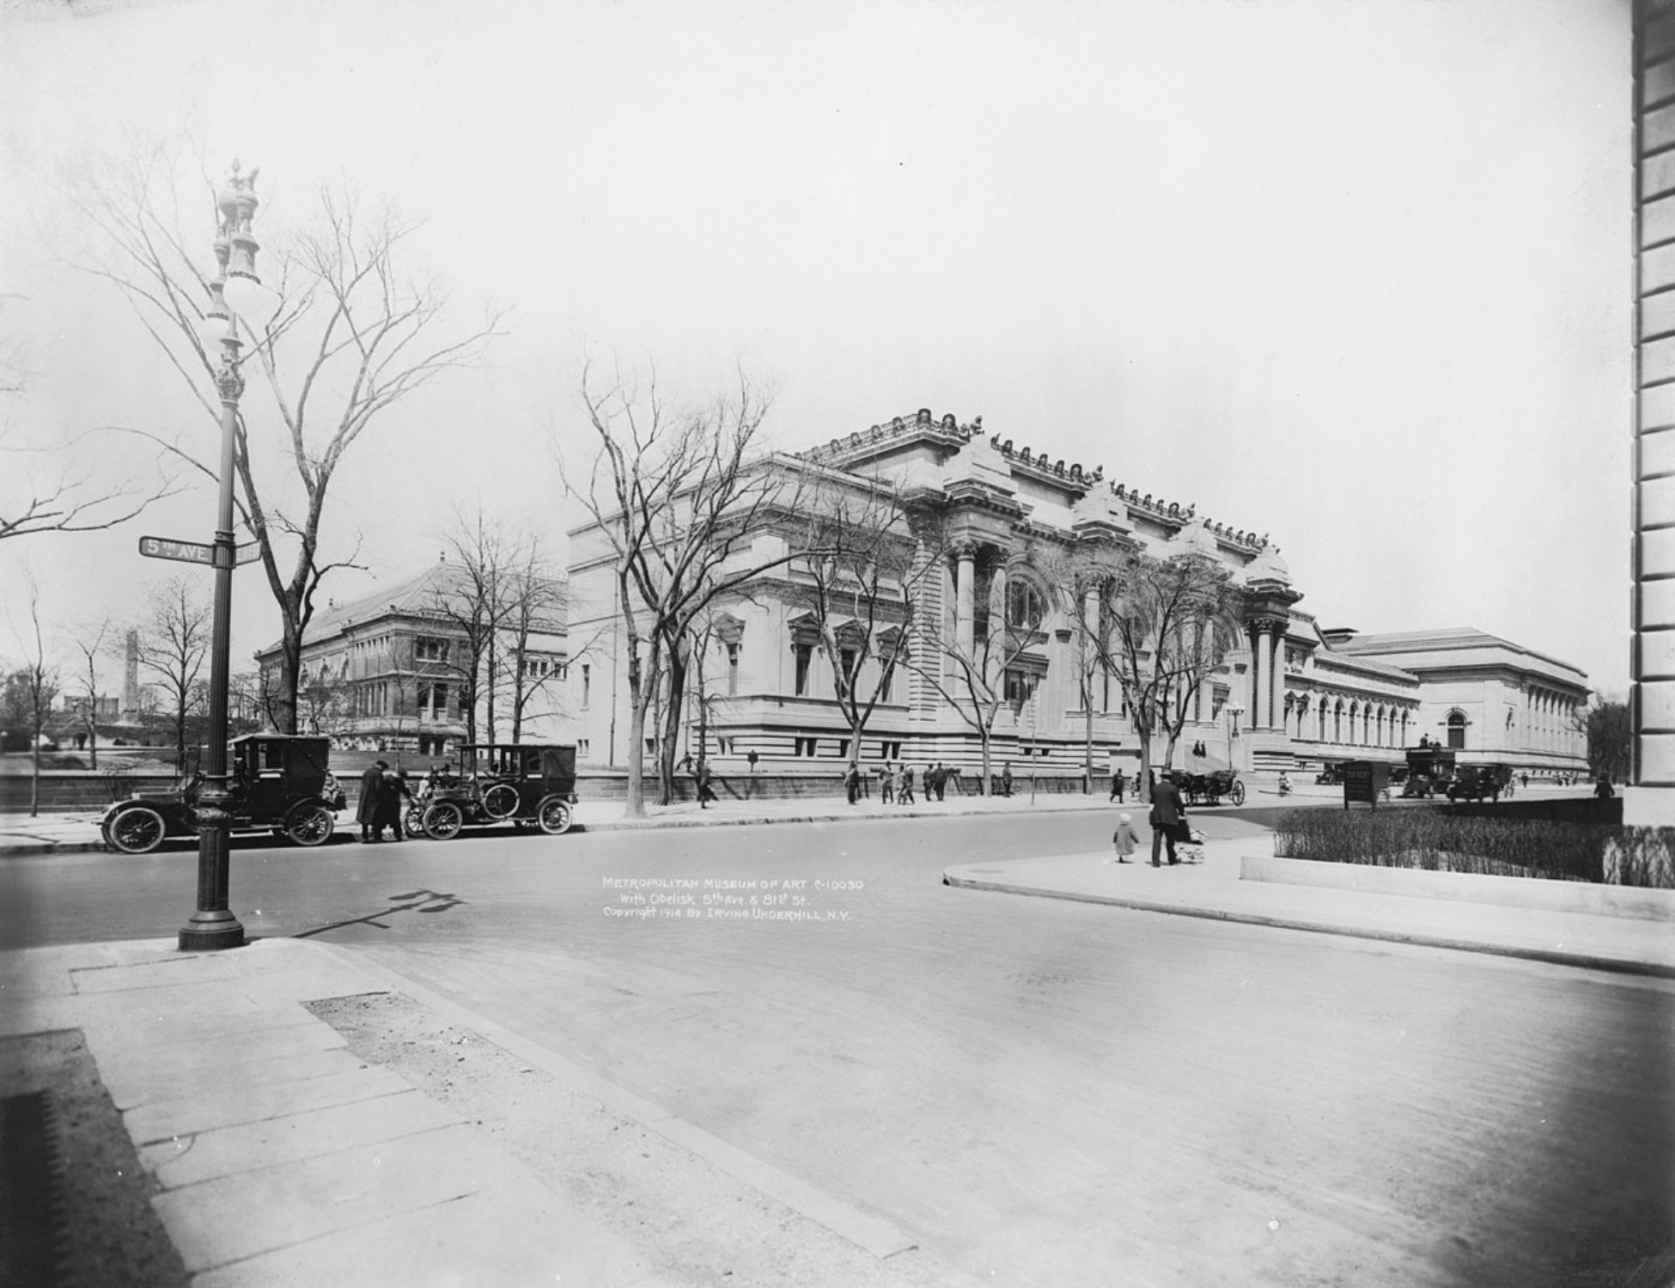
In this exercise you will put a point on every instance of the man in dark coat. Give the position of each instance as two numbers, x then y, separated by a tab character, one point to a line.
366	809
1168	818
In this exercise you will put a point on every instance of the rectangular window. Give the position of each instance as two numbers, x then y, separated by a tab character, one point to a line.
846	659
887	682
803	652
843	748
430	650
732	669
587	682
582	748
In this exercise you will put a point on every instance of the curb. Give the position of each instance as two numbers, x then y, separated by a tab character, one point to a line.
1548	956
641	825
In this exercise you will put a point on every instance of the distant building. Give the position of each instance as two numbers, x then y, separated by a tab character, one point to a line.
1486	696
386	672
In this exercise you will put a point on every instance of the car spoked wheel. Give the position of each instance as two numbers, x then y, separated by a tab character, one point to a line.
443	821
310	825
413	822
139	830
1238	793
554	816
500	801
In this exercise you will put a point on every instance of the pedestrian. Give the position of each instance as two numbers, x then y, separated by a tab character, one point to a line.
392	792
1117	786
933	781
366	809
1168	819
1123	838
887	784
852	784
1526	779
702	779
905	795
1006	778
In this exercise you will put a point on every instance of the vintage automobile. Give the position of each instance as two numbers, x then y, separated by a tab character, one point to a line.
1330	775
1430	769
1479	782
276	783
1208	789
499	783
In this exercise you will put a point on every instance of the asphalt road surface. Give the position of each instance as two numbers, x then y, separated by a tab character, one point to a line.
1041	1092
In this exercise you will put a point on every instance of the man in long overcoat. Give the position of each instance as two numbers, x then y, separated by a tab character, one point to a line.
372	788
1168	818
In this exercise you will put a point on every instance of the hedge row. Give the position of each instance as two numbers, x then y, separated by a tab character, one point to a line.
1440	841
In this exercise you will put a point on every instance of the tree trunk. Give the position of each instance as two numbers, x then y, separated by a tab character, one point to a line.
92	745
493	667
1087	750
35	773
670	718
283	712
983	741
635	804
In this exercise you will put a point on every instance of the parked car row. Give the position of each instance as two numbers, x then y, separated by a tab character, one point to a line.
283	784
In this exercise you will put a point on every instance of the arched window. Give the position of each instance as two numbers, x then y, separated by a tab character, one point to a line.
1457	730
1026	606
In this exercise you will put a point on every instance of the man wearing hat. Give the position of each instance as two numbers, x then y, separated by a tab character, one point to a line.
366	809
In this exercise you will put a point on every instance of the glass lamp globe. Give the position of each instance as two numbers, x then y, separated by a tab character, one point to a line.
249	299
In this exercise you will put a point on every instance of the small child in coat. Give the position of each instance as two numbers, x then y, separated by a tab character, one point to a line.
1123	838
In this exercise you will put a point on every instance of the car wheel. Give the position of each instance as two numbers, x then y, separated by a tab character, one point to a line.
309	824
553	814
443	820
1238	793
137	830
413	822
500	801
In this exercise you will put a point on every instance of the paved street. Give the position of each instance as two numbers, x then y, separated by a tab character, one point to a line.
1040	1092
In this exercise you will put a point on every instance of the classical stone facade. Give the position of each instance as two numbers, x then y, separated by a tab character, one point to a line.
1288	697
383	672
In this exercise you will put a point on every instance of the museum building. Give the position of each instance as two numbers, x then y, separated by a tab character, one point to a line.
1290	696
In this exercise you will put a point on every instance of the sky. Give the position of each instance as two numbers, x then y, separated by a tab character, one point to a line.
1352	273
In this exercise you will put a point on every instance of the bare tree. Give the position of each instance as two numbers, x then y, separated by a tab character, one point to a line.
974	678
349	339
31	690
681	500
1164	627
174	644
863	558
535	609
93	644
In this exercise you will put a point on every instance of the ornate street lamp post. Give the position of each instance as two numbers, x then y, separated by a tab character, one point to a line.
213	925
1234	711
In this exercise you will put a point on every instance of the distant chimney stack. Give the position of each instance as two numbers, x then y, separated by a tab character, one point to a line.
131	677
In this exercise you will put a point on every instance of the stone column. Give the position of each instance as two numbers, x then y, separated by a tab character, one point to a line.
1262	712
1276	671
965	576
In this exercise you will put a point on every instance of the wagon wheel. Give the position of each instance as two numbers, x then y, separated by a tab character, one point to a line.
1237	792
309	823
138	830
443	820
500	802
553	814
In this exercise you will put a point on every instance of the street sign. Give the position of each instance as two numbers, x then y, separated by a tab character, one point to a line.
193	551
1364	780
183	551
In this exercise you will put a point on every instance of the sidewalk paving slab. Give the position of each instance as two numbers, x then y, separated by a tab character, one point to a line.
1213	890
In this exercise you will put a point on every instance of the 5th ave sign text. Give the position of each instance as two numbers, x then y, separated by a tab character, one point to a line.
191	551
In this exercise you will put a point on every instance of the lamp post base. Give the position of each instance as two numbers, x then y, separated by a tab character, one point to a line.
209	931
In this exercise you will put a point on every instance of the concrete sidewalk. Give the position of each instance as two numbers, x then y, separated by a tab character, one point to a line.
282	1158
74	833
1214	889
